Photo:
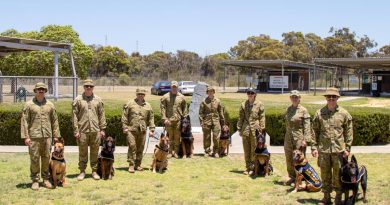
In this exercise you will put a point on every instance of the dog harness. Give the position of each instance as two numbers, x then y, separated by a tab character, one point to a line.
362	171
263	151
57	159
309	174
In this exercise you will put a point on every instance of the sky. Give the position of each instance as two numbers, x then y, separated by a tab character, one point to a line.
202	26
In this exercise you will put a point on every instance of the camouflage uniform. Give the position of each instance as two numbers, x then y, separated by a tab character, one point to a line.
211	117
333	135
88	120
297	130
252	118
173	108
136	118
39	122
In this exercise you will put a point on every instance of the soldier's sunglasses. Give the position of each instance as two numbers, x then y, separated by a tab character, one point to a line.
41	89
250	93
331	97
88	86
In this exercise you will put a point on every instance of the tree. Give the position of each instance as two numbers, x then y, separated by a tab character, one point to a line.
257	48
109	60
385	49
41	62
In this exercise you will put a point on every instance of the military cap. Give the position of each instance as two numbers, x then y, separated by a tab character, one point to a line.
40	85
140	91
174	83
250	90
332	91
295	93
88	82
209	88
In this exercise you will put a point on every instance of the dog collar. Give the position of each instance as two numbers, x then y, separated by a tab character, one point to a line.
158	147
57	159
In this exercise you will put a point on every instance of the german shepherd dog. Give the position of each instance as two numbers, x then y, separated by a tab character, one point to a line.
351	177
187	139
305	172
224	141
106	158
160	156
262	161
57	165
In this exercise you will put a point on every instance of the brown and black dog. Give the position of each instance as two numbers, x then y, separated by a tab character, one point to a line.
224	141
160	156
57	166
187	139
304	172
106	158
262	161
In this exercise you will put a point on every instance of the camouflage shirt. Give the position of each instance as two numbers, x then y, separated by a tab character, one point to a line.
333	131
173	107
211	112
39	120
137	117
252	118
88	114
298	123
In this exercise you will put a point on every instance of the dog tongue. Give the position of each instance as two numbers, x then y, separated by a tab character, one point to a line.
353	179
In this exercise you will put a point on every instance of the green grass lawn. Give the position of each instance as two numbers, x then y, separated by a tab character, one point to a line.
190	181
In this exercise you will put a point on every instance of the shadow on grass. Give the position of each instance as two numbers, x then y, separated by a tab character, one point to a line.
127	169
236	171
72	176
24	185
308	201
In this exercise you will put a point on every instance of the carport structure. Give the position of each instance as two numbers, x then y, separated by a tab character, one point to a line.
9	45
298	75
373	73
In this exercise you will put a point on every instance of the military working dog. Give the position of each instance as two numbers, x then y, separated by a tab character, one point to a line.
262	161
187	139
57	165
351	177
160	156
224	141
304	172
106	158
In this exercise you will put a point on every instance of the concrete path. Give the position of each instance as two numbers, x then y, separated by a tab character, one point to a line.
341	99
235	148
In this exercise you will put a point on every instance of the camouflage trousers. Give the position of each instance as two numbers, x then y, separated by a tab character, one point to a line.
330	172
289	145
136	143
92	140
249	144
39	153
174	137
209	130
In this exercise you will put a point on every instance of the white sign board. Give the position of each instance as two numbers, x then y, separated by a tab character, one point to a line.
278	81
353	79
374	86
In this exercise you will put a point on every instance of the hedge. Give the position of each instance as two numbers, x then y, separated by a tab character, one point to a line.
370	126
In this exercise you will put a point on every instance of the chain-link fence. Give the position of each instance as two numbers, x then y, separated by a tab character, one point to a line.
20	88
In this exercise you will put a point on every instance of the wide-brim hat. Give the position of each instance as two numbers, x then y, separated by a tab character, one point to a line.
140	91
174	83
88	82
40	85
332	91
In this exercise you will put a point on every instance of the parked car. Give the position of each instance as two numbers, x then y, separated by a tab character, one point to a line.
160	88
186	87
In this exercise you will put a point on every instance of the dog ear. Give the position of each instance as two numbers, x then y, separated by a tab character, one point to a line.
353	159
264	132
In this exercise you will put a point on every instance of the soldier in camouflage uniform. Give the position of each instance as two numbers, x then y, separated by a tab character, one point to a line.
89	123
173	107
333	135
211	119
137	116
252	118
298	131
39	124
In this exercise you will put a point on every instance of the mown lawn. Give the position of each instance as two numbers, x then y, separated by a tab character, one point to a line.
190	181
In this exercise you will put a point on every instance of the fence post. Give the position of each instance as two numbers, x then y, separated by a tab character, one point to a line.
55	76
1	87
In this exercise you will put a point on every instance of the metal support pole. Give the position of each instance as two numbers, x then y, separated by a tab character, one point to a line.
282	77
309	85
1	87
224	79
75	78
55	76
315	79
